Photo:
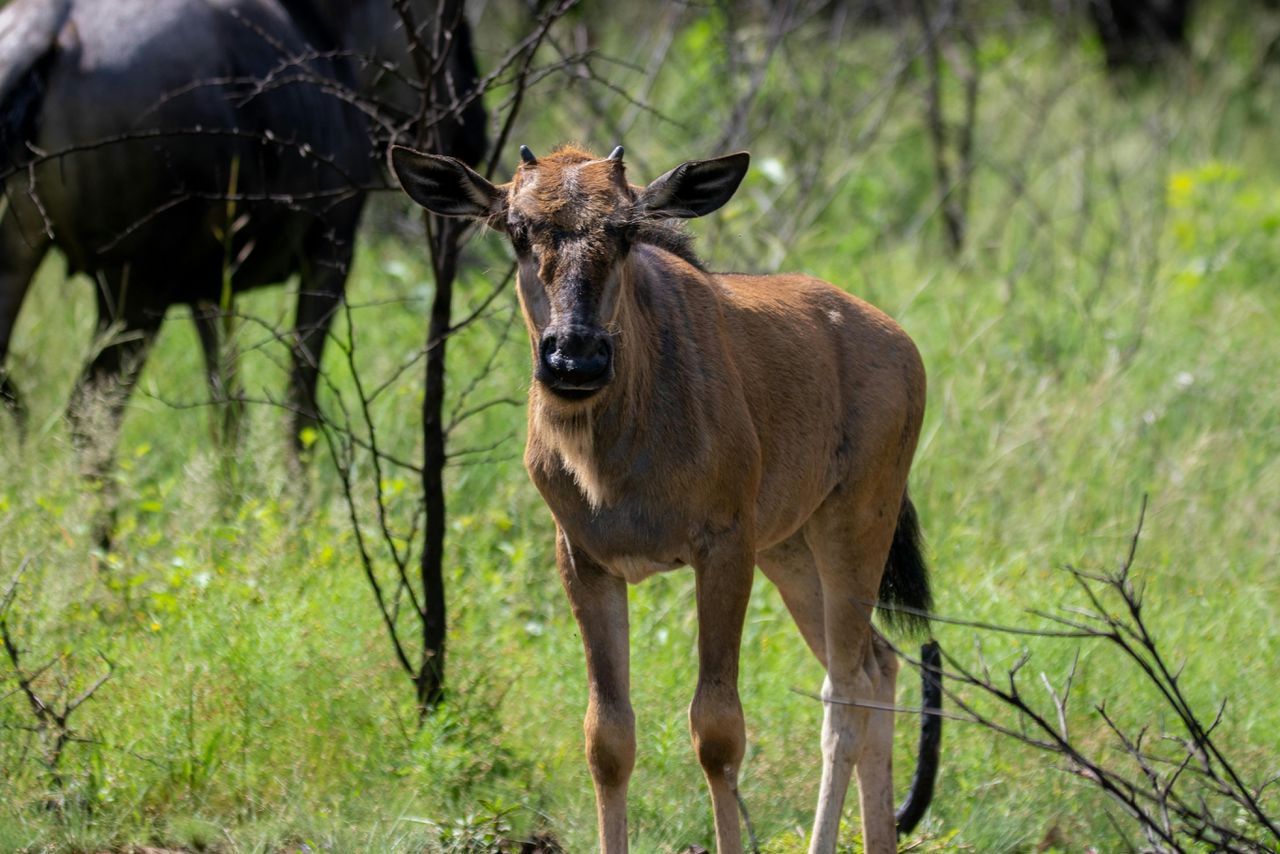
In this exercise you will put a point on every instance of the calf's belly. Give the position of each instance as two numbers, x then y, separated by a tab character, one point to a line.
633	568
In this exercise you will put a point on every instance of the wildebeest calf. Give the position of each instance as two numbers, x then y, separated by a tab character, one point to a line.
722	421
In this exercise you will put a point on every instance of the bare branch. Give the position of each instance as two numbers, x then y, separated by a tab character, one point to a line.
1186	790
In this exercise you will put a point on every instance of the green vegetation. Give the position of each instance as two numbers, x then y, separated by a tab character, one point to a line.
1109	331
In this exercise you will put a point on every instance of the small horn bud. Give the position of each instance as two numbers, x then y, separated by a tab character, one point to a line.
617	154
527	156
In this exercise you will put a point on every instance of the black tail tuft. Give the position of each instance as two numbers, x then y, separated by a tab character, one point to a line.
905	602
910	812
905	599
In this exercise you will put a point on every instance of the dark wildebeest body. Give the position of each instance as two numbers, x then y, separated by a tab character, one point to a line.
208	137
721	421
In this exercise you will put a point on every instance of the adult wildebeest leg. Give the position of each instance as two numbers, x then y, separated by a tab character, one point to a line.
126	330
599	602
20	255
220	362
324	265
319	296
849	536
715	715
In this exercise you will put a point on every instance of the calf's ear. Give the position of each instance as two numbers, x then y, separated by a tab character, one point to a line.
443	185
695	188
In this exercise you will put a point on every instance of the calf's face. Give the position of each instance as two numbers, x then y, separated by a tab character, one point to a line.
571	218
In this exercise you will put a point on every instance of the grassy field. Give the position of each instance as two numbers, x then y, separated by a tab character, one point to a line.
1108	332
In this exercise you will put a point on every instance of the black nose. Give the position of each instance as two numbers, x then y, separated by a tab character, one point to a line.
576	359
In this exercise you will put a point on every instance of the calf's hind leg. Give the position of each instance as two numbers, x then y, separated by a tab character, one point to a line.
875	765
790	566
850	544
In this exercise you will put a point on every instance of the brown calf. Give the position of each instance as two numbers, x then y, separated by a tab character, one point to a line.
680	417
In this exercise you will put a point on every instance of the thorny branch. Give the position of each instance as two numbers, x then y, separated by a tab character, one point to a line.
423	660
527	49
52	716
1182	790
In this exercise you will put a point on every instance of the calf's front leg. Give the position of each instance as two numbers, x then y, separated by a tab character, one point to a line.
599	602
715	715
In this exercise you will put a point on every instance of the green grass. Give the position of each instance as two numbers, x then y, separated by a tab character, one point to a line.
1108	332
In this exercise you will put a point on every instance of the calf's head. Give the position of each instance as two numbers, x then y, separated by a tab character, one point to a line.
571	218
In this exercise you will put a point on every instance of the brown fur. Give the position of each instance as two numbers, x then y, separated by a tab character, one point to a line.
765	420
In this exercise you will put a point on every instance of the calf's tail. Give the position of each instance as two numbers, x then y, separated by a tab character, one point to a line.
906	600
911	810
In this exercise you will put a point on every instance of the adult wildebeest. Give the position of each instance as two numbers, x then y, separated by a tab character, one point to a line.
680	417
175	149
